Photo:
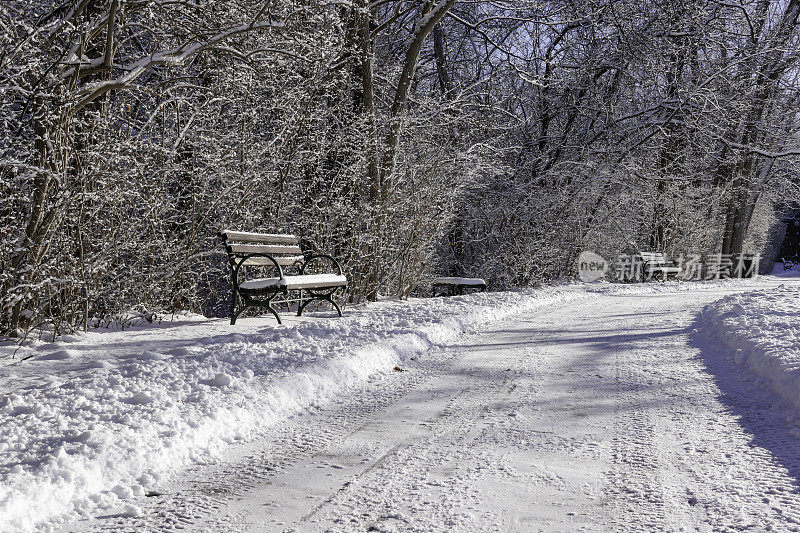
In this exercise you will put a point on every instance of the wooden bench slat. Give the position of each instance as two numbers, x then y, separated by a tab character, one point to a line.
265	249
272	238
652	257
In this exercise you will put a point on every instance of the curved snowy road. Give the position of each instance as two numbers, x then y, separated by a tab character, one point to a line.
606	414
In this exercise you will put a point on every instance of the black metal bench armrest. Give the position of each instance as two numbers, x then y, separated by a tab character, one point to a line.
321	256
255	254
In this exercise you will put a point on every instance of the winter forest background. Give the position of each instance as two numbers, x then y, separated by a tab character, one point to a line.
408	138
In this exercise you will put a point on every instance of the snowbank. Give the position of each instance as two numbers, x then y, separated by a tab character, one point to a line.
94	421
762	330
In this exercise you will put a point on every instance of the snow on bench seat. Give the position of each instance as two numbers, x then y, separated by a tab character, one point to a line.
459	281
456	285
316	281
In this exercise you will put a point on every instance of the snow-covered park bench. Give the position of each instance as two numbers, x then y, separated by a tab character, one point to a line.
278	253
454	286
655	263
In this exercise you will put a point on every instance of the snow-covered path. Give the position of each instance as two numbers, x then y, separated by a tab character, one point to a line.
610	413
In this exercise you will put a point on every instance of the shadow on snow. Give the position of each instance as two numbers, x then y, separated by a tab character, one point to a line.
761	413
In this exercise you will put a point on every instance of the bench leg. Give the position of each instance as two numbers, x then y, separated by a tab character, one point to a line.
234	314
272	309
326	297
275	313
303	306
338	309
268	304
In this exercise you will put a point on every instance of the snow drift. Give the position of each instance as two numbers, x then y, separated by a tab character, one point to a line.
762	330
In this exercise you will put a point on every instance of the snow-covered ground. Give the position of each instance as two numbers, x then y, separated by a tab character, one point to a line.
92	424
761	329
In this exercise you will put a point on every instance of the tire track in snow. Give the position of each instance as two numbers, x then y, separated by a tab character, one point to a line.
431	474
633	488
594	416
683	455
199	498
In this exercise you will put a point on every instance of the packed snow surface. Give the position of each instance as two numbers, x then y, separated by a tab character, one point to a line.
96	419
761	329
615	412
91	423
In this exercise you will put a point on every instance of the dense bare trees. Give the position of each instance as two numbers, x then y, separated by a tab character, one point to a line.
640	125
408	136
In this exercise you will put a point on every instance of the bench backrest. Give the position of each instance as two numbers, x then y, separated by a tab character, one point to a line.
653	257
284	248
